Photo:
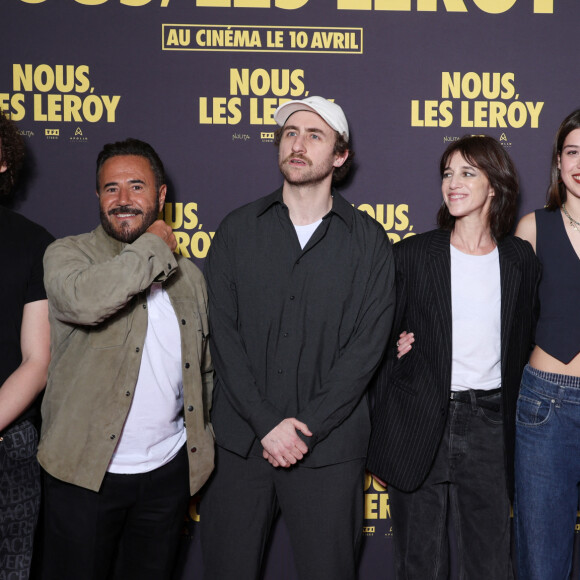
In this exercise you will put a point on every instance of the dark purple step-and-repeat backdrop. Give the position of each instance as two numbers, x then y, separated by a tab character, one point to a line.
200	80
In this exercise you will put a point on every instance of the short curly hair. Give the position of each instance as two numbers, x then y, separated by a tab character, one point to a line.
11	153
135	147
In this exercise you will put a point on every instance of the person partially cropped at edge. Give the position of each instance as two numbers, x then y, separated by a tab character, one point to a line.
301	301
25	342
548	412
126	436
443	423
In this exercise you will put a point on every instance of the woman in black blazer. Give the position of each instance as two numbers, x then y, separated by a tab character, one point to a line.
443	421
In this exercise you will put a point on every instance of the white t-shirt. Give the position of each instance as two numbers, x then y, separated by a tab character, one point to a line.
305	232
476	321
154	430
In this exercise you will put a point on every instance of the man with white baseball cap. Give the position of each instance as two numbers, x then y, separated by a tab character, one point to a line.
329	111
301	302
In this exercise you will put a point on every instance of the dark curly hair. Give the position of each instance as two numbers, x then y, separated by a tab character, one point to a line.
489	156
340	146
11	153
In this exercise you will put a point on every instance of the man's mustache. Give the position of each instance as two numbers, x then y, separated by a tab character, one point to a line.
125	209
298	156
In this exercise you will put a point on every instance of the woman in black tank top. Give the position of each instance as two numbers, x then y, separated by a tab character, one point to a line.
547	460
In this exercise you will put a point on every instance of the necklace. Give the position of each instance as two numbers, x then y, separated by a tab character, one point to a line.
573	223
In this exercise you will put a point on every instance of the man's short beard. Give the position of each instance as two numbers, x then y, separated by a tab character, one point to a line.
312	176
124	233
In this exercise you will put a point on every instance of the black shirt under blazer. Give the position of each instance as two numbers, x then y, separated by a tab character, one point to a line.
412	396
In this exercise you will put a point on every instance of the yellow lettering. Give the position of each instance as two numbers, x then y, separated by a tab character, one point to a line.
354	4
213	4
497	113
507	83
402	219
93	108
72	108
22	78
290	4
371	506
517	114
260	82
480	113
190	216
82	76
415	120
38	114
471	85
446	114
450	6
534	113
386	219
403	5
494	6
450	85
182	244
239	81
543	6
252	3
43	78
54	107
172	39
384	507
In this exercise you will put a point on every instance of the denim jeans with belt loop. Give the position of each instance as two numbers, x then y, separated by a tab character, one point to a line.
467	483
547	472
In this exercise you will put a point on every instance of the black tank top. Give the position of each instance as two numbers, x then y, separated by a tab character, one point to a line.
558	331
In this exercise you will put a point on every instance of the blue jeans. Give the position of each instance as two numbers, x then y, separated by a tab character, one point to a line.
547	472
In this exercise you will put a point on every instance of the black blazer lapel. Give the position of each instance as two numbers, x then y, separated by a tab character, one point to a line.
439	267
510	277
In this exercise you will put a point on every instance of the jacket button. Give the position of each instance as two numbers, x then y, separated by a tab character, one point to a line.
190	408
128	394
193	449
137	349
183	321
186	365
113	436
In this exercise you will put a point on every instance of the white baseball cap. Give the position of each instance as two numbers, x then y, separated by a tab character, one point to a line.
329	111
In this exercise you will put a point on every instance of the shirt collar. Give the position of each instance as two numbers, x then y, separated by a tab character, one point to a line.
340	206
113	245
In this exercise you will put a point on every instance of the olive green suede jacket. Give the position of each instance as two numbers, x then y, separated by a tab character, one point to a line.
96	289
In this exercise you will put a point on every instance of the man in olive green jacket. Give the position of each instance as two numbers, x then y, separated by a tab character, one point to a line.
126	436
